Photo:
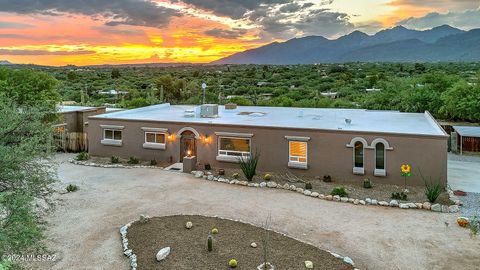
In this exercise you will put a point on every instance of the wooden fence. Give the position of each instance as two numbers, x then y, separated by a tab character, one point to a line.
71	141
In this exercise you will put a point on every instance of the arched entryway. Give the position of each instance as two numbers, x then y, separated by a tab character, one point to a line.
188	144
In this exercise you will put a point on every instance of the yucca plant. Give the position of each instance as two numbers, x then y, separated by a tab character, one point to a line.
433	189
249	165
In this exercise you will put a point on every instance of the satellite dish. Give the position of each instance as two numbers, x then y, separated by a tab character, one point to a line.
204	85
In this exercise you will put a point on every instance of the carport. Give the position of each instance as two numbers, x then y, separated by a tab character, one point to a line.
468	138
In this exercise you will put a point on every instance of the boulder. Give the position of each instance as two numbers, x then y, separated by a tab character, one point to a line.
436	207
426	205
362	202
374	202
368	200
403	206
356	201
198	174
419	205
336	198
329	197
307	192
344	199
394	203
453	208
293	187
299	190
271	184
162	253
188	225
412	205
309	264
253	245
286	186
383	203
263	184
321	196
210	177
351	200
314	194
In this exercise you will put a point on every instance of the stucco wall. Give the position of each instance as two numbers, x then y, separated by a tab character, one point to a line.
327	150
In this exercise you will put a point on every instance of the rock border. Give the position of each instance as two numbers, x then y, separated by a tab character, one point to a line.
93	164
133	258
368	201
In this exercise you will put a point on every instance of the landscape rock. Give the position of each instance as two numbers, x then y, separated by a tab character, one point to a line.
436	207
374	202
199	174
307	192
299	190
444	208
144	218
394	203
329	197
343	199
351	200
368	200
253	245
162	253
419	205
321	196
309	264
404	206
263	184
286	186
426	205
210	177
271	184
383	203
188	225
348	260
356	201
314	194
453	208
412	205
293	187
362	202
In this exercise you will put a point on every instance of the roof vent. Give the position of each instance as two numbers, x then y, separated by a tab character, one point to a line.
209	111
189	113
348	121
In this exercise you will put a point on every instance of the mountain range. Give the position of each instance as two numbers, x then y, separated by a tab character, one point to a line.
4	62
398	44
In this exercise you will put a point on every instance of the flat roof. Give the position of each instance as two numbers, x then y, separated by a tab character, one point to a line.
66	109
468	131
287	117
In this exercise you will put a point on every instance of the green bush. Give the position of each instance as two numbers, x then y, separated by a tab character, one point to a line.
153	162
249	165
399	196
367	183
114	160
83	156
133	160
432	190
327	178
340	191
232	263
308	185
72	188
235	175
474	225
267	177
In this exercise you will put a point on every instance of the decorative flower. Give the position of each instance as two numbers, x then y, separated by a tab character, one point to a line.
405	169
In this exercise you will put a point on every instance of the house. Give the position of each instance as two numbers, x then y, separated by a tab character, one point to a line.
332	95
466	139
347	144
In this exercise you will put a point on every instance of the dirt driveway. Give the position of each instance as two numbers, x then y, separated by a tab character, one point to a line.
83	232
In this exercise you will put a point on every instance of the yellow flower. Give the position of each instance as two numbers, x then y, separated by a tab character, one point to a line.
405	168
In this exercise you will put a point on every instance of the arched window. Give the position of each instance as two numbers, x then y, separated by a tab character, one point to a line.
358	154
379	156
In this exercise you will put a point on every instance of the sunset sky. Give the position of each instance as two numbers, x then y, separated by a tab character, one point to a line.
86	32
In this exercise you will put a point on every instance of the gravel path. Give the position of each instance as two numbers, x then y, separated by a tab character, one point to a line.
471	204
83	232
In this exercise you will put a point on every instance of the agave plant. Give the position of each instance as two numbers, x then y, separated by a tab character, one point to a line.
249	165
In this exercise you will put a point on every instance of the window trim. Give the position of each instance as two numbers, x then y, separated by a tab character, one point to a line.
231	158
297	164
155	145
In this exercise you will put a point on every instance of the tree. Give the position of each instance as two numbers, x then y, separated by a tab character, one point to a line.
462	101
116	73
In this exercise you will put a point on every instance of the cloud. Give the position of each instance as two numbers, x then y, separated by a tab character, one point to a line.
223	33
43	52
467	19
14	25
438	4
129	12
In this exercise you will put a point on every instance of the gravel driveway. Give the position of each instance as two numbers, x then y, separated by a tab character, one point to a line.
83	231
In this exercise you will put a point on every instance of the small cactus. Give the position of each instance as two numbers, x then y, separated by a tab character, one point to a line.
232	263
214	231
267	177
308	185
209	243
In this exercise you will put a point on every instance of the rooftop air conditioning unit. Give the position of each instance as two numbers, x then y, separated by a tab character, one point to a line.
209	111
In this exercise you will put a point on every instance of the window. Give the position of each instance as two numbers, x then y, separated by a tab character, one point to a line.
380	160
297	151
236	147
112	134
155	137
358	158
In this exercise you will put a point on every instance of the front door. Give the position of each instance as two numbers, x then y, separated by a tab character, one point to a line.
187	144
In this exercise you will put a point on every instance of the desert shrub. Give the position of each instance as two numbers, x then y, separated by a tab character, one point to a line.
232	263
399	196
114	159
474	225
340	191
249	165
327	178
267	177
432	190
367	183
235	175
133	160
214	231
72	188
308	185
82	156
153	162
209	243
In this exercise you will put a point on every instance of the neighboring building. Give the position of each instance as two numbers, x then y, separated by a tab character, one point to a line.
466	139
112	92
348	144
332	95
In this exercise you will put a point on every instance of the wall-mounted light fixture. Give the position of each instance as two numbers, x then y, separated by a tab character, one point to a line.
171	137
206	139
189	153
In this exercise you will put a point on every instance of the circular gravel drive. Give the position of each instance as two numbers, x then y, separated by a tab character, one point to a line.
83	231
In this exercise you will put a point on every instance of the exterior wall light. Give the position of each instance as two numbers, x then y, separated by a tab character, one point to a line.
206	139
171	137
189	153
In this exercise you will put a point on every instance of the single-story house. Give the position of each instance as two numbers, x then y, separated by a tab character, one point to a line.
467	139
347	144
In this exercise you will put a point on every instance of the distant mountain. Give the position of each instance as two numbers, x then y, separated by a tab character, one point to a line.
398	44
5	62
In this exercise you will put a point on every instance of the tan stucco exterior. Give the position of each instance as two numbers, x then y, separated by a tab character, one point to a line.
328	153
76	120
